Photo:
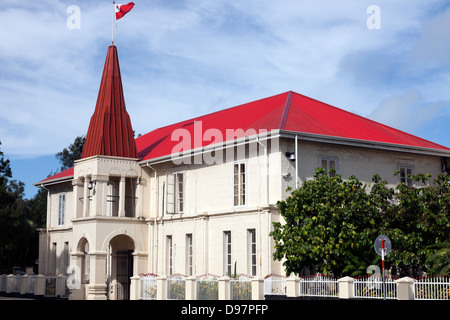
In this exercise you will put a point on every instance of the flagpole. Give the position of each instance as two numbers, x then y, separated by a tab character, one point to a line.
114	12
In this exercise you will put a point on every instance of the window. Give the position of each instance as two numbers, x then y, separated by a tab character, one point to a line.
251	249
189	254
239	184
66	256
169	249
227	252
179	192
61	209
404	172
54	257
174	193
329	163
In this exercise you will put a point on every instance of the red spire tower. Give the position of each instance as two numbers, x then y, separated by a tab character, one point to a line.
110	132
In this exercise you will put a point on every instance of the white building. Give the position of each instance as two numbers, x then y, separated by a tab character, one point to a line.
199	197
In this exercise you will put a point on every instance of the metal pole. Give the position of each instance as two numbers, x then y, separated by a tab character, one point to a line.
113	18
382	268
296	162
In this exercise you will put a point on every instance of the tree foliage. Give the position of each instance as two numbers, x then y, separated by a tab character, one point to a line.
20	218
73	152
331	224
18	236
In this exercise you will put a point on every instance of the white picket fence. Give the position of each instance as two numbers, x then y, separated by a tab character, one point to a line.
275	284
372	287
368	287
148	287
319	285
432	288
49	286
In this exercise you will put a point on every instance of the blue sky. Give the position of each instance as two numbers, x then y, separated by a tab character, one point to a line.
181	59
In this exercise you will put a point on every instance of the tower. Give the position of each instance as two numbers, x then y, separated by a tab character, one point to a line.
107	193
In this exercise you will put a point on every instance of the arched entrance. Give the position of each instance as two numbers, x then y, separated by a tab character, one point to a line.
81	259
120	267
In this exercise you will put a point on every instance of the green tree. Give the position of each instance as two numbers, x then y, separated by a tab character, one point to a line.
20	218
331	224
73	152
17	233
420	224
327	221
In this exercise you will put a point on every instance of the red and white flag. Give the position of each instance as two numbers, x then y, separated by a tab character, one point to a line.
123	9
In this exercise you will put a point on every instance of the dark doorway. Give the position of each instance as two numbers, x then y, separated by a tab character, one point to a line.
124	274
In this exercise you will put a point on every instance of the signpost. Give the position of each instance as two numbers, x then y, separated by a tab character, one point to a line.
382	247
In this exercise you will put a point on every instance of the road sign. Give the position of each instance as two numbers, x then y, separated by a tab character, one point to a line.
382	247
382	242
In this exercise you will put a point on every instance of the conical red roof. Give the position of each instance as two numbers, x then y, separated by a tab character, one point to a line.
110	132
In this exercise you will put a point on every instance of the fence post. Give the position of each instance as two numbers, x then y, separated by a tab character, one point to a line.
346	290
224	288
9	284
257	288
3	283
293	286
191	288
161	288
39	285
405	288
60	285
135	288
23	284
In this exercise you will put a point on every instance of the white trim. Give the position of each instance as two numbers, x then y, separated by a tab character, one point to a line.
406	167
364	143
268	135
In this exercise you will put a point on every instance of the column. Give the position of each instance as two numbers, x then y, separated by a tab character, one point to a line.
99	195
191	288
77	185
405	288
346	290
224	288
86	197
122	197
135	288
293	286
257	288
161	291
77	277
39	285
97	285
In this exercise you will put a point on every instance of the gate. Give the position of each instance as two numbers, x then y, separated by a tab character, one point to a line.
124	274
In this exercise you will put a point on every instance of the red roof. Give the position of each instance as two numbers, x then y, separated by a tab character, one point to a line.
287	111
110	132
59	176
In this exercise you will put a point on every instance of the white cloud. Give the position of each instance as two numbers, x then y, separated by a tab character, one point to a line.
181	59
407	111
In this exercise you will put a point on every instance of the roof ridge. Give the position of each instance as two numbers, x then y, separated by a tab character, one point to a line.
285	113
212	113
